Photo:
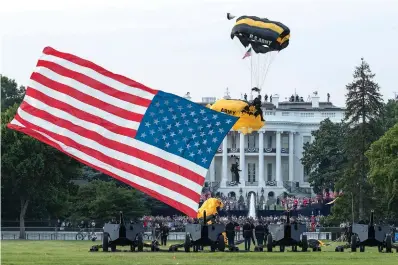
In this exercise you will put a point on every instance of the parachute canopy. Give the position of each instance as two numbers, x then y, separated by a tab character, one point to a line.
210	206
247	122
262	34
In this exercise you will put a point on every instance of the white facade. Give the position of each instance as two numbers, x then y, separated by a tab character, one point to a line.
270	158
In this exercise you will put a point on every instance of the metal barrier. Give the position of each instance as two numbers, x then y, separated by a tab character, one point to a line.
173	236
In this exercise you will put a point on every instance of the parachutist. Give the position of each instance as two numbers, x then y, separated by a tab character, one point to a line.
257	104
235	170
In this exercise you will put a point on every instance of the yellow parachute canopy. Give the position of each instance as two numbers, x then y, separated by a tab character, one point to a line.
247	122
210	206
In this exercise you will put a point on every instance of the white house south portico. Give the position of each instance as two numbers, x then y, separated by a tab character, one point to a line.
269	159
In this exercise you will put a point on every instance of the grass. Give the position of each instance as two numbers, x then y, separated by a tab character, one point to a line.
77	253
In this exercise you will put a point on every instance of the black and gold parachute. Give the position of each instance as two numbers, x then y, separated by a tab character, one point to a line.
262	34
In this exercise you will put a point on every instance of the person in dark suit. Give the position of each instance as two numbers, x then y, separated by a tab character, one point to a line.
248	234
164	233
230	231
259	231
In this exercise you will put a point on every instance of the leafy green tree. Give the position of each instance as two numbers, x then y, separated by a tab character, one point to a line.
31	170
363	107
390	114
102	200
325	156
383	174
10	93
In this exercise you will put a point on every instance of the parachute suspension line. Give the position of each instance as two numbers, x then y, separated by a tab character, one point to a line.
271	60
242	51
251	72
258	74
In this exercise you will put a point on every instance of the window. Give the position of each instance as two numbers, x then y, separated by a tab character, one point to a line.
251	170
251	141
285	141
233	139
285	170
269	172
306	139
269	144
306	174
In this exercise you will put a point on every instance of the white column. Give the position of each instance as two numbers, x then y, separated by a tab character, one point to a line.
278	160
242	167
261	175
212	173
291	171
224	162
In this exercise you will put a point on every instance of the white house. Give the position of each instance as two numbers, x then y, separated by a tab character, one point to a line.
270	158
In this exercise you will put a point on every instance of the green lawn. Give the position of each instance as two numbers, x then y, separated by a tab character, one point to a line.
77	252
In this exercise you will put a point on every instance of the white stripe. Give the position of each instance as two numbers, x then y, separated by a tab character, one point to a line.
131	160
90	91
117	137
128	176
97	76
84	107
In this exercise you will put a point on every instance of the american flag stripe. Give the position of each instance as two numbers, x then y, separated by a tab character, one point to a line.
83	116
91	96
81	82
98	73
159	192
96	110
94	116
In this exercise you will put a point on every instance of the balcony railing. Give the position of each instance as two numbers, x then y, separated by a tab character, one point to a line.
251	183
233	150
270	183
254	150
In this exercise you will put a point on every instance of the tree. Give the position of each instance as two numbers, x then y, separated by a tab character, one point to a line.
325	156
102	200
383	174
390	114
364	106
31	170
10	93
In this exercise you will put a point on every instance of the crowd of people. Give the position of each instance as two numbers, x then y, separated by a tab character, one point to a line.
177	223
282	202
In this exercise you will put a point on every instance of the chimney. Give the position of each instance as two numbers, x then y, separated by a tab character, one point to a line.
315	100
275	100
226	94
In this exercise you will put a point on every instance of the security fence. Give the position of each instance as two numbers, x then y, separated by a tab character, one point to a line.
32	234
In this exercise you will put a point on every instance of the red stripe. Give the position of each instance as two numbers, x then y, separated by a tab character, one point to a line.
93	83
177	205
70	91
141	154
80	114
85	63
98	155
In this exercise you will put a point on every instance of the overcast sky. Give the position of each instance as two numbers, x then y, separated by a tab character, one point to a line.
185	45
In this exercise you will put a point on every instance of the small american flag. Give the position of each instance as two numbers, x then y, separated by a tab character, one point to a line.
248	53
157	142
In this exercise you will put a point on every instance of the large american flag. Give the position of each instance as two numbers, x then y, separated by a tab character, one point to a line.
157	142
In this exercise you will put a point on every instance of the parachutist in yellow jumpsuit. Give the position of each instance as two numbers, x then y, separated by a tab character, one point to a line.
211	206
